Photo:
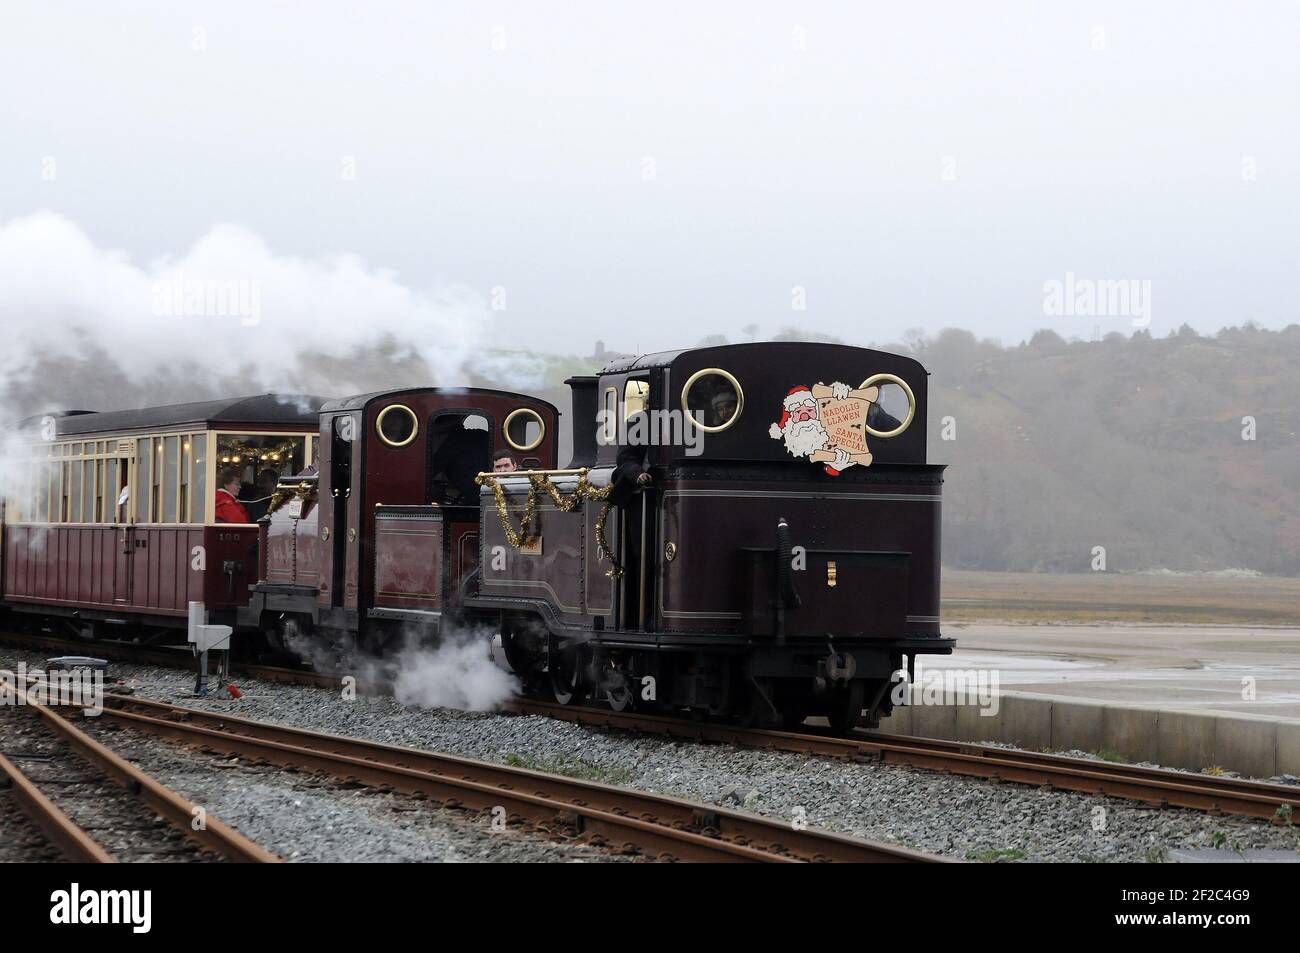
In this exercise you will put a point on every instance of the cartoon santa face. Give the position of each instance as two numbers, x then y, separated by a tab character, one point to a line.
800	427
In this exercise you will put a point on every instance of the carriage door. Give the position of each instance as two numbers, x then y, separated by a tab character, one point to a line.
120	476
342	446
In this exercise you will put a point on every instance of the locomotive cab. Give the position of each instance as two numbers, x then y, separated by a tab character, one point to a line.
757	535
382	541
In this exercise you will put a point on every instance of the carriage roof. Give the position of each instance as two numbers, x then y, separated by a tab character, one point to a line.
280	410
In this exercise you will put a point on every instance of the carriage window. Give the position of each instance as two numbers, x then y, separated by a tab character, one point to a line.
397	425
636	397
143	479
56	492
156	481
170	456
524	429
60	492
261	460
712	399
88	488
199	477
187	466
44	474
895	406
74	491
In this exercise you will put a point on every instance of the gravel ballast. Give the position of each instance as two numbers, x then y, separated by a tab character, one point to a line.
962	817
312	819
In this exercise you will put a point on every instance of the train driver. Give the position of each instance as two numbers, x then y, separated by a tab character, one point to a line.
229	509
503	462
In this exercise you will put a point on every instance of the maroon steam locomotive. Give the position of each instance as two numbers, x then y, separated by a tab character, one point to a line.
773	552
747	530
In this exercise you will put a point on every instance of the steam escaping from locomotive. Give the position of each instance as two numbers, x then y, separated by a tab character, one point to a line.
459	674
456	672
88	328
86	325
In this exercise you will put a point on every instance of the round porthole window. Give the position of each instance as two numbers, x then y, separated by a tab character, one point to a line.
892	411
712	399
397	425
524	429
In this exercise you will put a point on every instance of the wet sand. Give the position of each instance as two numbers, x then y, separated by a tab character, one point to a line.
1208	667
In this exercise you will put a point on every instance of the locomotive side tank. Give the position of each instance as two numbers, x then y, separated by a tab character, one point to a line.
779	558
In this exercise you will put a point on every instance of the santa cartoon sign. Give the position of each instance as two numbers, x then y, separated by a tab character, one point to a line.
827	423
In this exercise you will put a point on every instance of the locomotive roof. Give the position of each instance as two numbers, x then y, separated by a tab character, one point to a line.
358	401
666	358
763	375
278	409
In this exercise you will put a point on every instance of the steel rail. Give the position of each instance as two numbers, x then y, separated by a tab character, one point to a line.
663	825
1159	786
166	803
62	830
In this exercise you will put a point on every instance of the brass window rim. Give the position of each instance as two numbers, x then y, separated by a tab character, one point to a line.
541	433
379	425
911	404
740	398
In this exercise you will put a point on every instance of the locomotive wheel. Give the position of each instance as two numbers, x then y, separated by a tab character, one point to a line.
564	673
620	700
846	705
613	685
525	654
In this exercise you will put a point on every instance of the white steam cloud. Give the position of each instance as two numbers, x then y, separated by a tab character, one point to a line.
87	328
228	306
457	674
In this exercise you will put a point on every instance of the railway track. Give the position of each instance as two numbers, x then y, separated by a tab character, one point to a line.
1156	786
163	657
657	826
80	794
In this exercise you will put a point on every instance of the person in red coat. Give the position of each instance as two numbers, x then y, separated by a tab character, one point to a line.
229	509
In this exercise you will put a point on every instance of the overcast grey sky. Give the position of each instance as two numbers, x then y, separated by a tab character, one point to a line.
650	173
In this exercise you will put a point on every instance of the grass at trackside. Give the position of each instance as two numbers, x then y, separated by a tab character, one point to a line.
1112	597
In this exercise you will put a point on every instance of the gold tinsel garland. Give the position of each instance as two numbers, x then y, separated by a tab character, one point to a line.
235	451
539	483
284	493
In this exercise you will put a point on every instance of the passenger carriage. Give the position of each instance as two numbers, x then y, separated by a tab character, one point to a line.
113	525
